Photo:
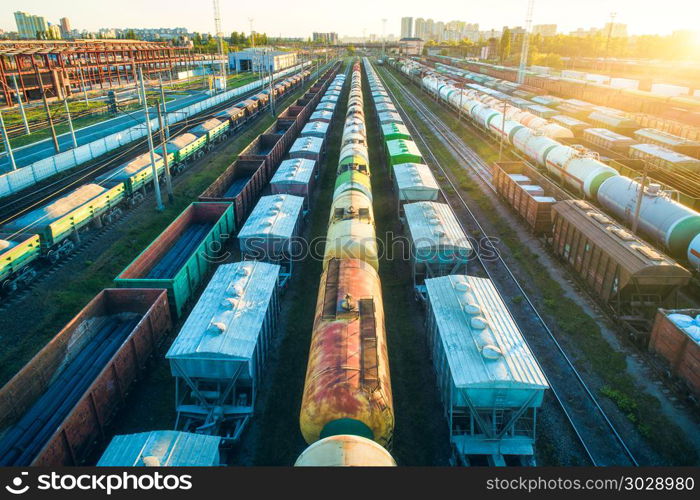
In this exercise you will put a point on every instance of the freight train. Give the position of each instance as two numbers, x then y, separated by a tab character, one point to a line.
54	410
662	220
347	396
681	108
45	235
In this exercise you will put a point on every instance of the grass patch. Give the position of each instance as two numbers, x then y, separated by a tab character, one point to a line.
666	438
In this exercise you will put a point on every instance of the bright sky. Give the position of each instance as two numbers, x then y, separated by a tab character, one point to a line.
302	17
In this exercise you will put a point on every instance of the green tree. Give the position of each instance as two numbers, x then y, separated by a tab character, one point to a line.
130	35
504	47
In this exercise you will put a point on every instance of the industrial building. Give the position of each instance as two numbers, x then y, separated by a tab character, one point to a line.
261	59
67	67
411	46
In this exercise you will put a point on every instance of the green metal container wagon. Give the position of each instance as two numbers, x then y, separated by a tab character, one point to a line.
64	217
211	128
393	131
180	259
134	175
17	252
402	151
182	147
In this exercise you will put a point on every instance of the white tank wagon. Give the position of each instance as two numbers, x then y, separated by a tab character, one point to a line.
490	382
506	129
533	144
345	450
482	115
218	357
484	99
662	220
578	169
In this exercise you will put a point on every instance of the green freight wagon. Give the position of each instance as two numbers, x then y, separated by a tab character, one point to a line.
182	256
393	131
211	128
134	174
17	252
62	218
402	151
182	147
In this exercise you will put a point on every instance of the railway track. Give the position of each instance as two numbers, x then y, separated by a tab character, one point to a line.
21	204
596	433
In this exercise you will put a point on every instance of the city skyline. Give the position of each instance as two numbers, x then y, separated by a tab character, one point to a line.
365	19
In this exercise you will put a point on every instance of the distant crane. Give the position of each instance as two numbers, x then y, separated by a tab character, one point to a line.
610	30
526	42
220	35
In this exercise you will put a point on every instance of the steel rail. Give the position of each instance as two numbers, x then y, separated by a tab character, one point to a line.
471	158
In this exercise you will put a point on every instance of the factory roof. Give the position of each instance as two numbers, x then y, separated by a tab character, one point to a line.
482	343
226	321
162	448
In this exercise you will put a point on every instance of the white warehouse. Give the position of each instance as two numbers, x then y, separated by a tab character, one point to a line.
261	58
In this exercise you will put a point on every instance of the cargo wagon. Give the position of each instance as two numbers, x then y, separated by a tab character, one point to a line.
56	408
240	184
182	256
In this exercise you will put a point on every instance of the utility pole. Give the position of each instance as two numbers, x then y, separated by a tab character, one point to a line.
384	38
220	35
48	111
640	197
272	97
503	126
82	81
21	106
461	95
252	45
610	28
156	184
165	111
164	151
526	42
70	124
8	146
